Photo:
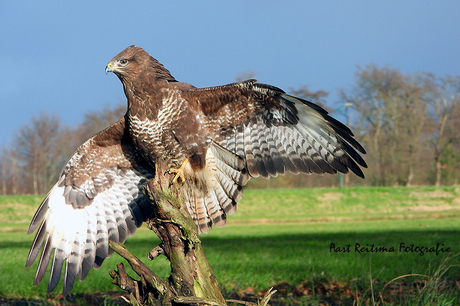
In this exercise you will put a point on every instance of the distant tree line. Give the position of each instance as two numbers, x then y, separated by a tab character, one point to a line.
32	162
408	124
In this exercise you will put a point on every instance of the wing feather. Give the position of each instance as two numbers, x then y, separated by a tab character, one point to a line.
203	219
283	145
258	130
43	262
89	253
91	203
277	133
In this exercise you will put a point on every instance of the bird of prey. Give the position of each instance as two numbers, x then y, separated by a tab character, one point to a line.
213	140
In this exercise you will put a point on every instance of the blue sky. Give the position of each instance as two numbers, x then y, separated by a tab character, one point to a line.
54	53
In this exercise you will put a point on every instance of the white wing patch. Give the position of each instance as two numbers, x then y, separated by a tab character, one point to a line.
79	235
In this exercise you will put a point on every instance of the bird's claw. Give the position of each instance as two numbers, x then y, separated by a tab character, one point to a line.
179	174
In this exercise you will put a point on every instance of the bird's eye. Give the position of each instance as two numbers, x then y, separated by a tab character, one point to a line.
123	61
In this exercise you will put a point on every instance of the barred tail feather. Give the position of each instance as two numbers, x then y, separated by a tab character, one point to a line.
202	217
227	174
232	176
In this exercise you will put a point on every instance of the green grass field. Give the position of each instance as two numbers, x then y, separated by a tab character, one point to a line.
280	236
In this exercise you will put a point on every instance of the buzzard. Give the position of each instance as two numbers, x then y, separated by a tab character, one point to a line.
213	140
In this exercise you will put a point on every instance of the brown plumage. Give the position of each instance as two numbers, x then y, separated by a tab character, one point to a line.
98	197
227	134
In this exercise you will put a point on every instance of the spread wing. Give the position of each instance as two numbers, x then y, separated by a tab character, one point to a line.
98	197
277	133
259	130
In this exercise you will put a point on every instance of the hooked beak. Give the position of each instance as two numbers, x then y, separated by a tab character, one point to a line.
109	68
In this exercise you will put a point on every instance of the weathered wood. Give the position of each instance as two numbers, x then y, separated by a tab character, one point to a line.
150	283
191	281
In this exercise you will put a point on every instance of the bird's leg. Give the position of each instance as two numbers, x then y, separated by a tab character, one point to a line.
179	173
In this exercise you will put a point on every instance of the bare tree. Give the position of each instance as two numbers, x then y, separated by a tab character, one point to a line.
9	171
15	172
96	121
443	100
40	147
391	112
5	171
318	97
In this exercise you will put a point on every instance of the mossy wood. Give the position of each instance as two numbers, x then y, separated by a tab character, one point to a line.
191	281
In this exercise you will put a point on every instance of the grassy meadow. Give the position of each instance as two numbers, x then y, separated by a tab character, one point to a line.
283	235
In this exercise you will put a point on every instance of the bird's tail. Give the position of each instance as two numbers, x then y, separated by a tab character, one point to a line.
226	175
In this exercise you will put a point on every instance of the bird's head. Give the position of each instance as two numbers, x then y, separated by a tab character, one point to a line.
126	62
130	63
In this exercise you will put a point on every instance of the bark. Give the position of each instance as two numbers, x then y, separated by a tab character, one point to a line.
438	168
410	176
437	148
191	281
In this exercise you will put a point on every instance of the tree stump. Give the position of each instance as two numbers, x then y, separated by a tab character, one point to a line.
191	281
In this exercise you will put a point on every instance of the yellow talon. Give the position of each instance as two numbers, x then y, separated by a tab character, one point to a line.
179	173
